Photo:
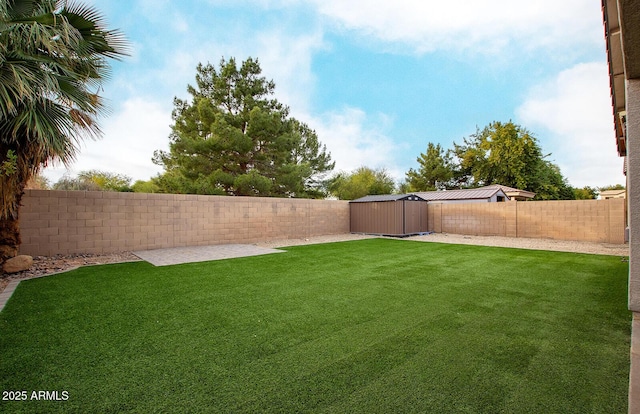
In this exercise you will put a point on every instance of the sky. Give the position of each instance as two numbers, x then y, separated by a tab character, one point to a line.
377	79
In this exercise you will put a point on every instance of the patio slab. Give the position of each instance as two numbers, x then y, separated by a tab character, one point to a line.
179	255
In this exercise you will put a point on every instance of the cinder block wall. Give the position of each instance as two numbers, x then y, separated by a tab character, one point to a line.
579	220
67	222
585	220
488	219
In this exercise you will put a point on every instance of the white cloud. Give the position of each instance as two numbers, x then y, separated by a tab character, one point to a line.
130	137
287	60
484	25
573	119
355	139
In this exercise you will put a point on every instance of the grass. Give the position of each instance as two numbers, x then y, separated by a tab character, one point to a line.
367	326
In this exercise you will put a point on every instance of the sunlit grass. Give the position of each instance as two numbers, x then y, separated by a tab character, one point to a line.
364	326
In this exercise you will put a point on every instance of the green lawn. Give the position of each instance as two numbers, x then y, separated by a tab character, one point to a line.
371	326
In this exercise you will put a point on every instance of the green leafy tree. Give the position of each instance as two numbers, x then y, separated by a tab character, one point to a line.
436	170
67	183
95	180
107	181
550	184
233	138
53	57
585	193
141	186
611	187
404	187
508	154
500	153
363	181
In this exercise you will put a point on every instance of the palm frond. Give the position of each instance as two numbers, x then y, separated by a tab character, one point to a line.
53	60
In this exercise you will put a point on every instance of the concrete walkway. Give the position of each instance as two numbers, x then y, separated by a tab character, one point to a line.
179	255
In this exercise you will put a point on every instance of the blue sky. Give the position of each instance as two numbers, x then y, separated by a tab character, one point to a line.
378	79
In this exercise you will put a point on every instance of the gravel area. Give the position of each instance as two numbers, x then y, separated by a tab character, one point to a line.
518	243
43	266
523	243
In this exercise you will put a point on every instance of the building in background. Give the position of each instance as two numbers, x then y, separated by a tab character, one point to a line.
607	194
622	33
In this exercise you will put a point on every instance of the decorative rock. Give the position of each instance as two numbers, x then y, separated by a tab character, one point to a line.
18	264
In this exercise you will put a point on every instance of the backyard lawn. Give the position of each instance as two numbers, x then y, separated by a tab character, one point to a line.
371	326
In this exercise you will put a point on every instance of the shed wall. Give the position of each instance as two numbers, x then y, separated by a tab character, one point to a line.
384	217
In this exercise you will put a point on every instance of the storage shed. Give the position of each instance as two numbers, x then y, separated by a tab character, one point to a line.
397	215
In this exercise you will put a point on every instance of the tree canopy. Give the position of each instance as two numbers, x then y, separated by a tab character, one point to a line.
500	153
234	138
503	153
436	170
585	193
95	180
361	182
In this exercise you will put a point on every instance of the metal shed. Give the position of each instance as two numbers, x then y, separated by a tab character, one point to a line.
397	215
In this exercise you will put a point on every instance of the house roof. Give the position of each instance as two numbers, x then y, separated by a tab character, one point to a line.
512	192
467	194
612	193
387	197
622	35
447	195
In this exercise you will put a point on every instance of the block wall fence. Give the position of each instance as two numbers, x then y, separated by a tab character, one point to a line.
68	222
580	220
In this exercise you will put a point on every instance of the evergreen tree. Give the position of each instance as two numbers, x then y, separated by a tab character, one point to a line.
233	138
436	170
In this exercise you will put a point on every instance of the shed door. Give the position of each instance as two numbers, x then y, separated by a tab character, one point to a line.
413	216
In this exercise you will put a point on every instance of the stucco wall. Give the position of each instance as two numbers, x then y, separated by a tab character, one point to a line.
65	222
580	220
633	172
633	192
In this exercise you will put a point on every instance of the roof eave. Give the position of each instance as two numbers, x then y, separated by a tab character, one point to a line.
622	34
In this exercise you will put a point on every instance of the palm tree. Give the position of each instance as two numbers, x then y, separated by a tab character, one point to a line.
53	58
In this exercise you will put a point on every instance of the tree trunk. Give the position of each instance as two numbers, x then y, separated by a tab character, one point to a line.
9	238
11	192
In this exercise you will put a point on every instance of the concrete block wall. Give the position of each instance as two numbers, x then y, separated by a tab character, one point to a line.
579	220
584	220
67	222
488	219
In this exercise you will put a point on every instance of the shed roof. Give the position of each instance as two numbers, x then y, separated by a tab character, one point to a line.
467	194
387	197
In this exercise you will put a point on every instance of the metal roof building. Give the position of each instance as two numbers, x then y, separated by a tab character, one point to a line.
406	214
472	195
513	193
389	215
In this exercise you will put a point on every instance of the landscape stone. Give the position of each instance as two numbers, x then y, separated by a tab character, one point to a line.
18	264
